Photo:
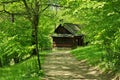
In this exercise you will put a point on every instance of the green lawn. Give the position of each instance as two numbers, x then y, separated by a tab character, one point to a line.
26	70
90	53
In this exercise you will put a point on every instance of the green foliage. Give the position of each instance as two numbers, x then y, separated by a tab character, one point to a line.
45	31
15	39
27	70
19	34
101	20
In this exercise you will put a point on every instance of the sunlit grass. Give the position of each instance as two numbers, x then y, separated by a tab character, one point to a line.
92	54
27	70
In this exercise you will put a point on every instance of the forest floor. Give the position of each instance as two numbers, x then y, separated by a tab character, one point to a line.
61	65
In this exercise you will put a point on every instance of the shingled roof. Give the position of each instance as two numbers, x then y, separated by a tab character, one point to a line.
73	28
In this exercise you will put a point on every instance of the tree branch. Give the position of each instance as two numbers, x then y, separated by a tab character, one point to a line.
5	11
36	8
44	9
8	12
27	9
14	13
55	5
12	1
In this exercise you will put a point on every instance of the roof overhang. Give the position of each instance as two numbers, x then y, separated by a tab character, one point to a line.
62	35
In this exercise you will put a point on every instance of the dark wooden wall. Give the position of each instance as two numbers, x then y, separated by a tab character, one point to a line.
79	40
62	42
68	41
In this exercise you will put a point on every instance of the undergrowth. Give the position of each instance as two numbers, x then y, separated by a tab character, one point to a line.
27	70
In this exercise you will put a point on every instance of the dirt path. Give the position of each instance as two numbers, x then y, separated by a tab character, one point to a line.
62	65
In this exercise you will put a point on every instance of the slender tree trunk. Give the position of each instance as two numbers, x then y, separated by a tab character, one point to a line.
0	62
33	16
12	18
35	38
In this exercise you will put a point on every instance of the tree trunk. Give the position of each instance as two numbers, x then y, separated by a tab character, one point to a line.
0	62
35	38
12	18
33	16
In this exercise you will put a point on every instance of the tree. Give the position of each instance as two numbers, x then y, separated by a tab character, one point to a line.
31	10
101	20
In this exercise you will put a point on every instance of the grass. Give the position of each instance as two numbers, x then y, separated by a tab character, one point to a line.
96	57
92	54
26	70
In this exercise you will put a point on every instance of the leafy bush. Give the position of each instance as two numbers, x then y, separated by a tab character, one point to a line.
26	70
15	41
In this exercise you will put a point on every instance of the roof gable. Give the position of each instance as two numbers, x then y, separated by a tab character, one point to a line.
69	28
62	30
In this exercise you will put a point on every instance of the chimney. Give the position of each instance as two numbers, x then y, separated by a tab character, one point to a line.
61	22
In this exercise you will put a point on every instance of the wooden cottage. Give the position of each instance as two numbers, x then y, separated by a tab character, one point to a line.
66	35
